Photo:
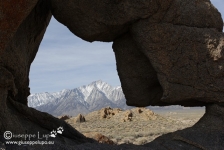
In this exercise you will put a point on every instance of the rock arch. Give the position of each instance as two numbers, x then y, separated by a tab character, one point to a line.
167	52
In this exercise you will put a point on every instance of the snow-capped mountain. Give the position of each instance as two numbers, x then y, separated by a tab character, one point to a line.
39	99
83	99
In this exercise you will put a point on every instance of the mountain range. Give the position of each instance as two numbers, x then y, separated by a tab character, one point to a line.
86	99
83	99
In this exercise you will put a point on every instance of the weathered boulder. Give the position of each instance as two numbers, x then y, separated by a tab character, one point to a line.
105	20
79	119
107	113
145	114
172	58
138	78
188	61
8	27
65	117
139	110
128	116
102	20
22	27
22	47
99	137
136	115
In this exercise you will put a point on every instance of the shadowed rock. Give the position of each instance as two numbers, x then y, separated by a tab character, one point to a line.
206	134
65	117
101	20
15	59
138	78
188	61
99	138
16	14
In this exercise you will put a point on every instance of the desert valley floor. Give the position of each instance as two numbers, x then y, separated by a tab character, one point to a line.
137	126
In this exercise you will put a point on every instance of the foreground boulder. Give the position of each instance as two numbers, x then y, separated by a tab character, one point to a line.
99	138
22	27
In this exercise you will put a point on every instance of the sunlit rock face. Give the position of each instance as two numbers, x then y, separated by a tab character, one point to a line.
168	52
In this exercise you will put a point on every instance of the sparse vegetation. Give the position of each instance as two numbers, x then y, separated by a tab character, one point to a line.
143	127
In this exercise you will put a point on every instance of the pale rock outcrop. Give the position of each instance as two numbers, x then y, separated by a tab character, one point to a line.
128	116
65	117
107	113
79	119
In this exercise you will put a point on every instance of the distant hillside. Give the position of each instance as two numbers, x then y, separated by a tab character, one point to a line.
84	99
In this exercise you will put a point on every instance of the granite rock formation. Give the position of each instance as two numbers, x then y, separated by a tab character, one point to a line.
99	137
167	51
107	113
22	26
80	118
65	117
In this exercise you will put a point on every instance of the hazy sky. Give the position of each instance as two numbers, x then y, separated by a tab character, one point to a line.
65	61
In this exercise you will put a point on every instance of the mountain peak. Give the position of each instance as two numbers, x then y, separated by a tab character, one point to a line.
88	97
99	83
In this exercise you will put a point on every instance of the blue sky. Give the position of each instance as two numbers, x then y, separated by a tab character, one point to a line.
65	61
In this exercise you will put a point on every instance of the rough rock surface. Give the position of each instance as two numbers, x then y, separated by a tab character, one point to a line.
99	137
116	114
65	117
138	77
167	51
80	118
19	44
105	20
173	58
128	116
102	20
107	113
188	61
21	49
16	14
206	134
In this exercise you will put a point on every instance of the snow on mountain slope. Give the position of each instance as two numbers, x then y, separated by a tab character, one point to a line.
97	100
102	86
39	99
84	99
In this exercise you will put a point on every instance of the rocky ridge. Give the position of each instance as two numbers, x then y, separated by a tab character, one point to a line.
137	126
84	99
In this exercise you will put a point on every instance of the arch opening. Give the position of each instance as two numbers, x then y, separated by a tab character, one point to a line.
70	53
